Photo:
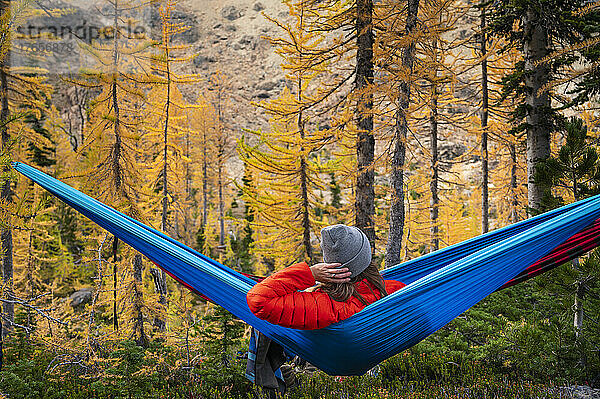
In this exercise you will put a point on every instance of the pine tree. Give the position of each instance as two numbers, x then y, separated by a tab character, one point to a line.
222	334
243	243
575	174
537	32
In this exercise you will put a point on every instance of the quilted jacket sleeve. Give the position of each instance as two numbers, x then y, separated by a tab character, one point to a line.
278	299
393	285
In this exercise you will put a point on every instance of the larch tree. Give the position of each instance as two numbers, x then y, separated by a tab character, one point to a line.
400	68
438	111
219	87
490	120
286	163
118	69
6	189
416	55
167	126
23	98
507	139
202	121
346	51
35	244
196	139
365	145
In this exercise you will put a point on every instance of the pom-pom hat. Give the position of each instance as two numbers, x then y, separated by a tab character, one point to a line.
346	245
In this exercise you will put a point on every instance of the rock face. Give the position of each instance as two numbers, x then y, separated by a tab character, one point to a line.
226	36
232	39
81	297
178	17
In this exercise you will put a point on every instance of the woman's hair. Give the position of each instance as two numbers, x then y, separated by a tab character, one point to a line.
341	292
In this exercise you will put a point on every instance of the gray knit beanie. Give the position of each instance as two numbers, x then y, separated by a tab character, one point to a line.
346	245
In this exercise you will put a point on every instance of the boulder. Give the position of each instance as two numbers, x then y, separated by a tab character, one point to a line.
248	42
262	94
580	392
266	85
231	13
258	6
202	60
81	297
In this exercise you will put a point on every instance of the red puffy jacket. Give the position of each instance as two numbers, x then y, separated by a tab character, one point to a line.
279	299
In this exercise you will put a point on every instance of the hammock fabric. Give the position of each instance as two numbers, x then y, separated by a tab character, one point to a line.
441	285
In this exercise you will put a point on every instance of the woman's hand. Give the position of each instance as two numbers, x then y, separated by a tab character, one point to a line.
330	273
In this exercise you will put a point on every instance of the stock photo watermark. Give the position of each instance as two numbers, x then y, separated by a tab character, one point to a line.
61	38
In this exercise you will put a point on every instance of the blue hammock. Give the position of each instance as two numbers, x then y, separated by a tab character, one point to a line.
441	285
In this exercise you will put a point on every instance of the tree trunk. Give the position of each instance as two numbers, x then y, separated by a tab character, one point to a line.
304	184
365	147
160	278
221	205
578	317
514	202
394	243
29	279
222	144
1	347
160	285
116	155
164	177
189	224
138	300
485	224
433	184
538	120
6	194
204	177
115	307
305	211
578	305
580	291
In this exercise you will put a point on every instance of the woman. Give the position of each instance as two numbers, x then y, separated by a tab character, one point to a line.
349	281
